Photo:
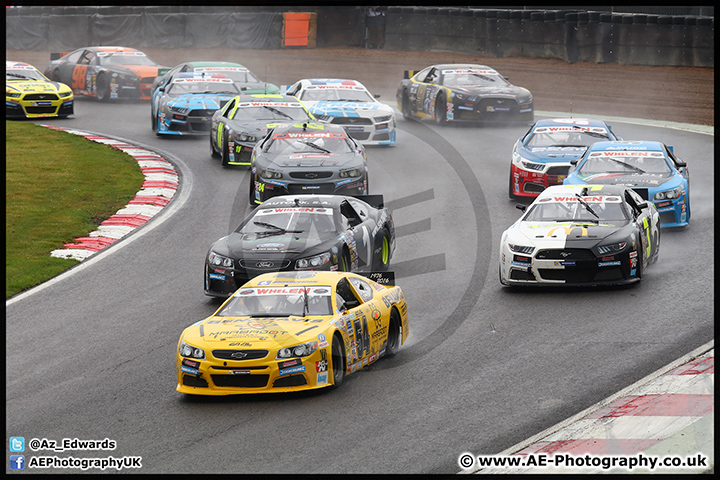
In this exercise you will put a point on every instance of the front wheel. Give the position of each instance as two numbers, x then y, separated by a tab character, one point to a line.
251	190
407	114
225	155
337	358
213	152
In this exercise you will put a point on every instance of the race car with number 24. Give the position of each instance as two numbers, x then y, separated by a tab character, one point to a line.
463	93
292	331
581	235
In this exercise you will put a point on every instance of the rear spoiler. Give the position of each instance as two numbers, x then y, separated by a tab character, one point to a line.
409	73
56	55
383	278
376	201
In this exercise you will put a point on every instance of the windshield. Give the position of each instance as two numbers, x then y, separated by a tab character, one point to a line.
107	59
336	94
282	111
24	73
279	302
308	142
473	78
569	208
181	86
625	162
270	222
566	137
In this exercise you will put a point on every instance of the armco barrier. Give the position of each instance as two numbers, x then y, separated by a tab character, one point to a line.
571	35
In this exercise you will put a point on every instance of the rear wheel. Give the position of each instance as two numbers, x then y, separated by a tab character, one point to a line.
407	114
381	252
102	86
394	334
337	358
225	154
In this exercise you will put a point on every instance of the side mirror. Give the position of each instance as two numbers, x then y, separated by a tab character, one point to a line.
521	207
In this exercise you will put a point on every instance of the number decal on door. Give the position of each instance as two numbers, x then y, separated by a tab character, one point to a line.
78	77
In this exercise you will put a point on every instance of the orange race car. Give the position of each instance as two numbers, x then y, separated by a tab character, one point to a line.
107	73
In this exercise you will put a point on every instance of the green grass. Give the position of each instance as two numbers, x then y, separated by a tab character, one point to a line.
58	187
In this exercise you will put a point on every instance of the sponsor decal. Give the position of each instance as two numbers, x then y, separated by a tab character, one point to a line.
191	371
289	371
322	378
238	372
608	264
289	363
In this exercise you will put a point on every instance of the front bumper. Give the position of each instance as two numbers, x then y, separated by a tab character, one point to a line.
195	122
29	108
568	267
674	213
526	183
493	110
367	131
220	374
273	188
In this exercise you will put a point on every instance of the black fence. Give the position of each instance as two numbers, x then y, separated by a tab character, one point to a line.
674	36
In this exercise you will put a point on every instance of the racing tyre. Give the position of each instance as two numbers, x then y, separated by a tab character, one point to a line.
225	155
510	188
102	86
407	114
394	334
251	190
213	152
344	265
337	358
440	109
381	252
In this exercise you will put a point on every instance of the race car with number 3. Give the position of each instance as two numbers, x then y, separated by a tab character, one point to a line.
237	127
303	232
651	168
107	73
29	93
542	156
581	235
292	331
463	93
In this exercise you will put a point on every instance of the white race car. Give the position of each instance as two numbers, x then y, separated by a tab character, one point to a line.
350	104
581	235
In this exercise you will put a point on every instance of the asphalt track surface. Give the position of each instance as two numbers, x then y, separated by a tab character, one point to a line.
91	354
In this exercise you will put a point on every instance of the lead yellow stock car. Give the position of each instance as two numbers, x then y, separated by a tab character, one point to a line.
291	331
29	94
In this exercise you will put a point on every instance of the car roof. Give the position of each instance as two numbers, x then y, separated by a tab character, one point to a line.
455	66
266	97
580	122
330	82
204	63
640	145
110	49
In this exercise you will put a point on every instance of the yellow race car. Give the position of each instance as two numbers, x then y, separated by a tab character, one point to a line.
291	331
30	94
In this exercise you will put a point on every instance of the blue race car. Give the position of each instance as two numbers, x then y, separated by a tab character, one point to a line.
186	105
542	156
649	168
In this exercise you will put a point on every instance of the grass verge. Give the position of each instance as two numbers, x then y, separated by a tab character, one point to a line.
58	187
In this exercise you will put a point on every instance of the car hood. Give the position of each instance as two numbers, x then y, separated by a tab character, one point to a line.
548	234
313	160
259	332
199	101
510	91
290	244
551	154
257	127
348	109
648	180
34	86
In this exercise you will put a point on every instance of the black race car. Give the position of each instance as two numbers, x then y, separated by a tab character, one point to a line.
237	127
303	232
310	158
461	92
